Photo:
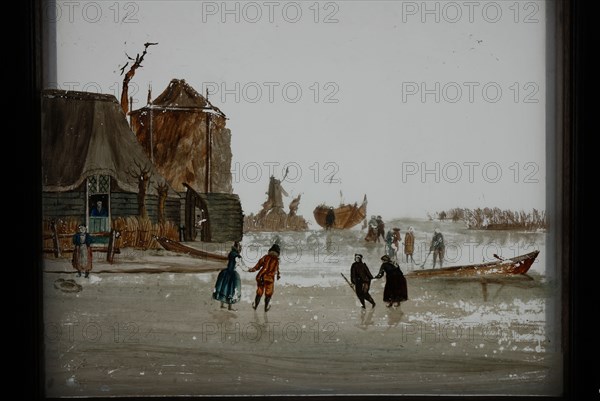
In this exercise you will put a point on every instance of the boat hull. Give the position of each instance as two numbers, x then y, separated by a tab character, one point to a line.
346	216
175	246
513	266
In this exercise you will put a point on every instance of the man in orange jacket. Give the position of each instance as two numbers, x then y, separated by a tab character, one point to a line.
268	268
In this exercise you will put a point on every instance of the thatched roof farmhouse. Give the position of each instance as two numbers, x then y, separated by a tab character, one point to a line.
90	154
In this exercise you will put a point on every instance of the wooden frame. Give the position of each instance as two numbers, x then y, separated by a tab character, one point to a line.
567	171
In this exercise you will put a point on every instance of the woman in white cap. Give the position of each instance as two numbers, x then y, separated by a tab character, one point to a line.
395	290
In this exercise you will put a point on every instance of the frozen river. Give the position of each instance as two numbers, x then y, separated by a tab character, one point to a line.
162	334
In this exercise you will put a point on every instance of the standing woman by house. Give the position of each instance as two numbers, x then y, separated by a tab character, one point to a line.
228	287
82	254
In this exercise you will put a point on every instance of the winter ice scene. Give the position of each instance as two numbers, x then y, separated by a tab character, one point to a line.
299	198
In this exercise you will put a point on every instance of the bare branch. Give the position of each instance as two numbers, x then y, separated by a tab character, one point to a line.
129	76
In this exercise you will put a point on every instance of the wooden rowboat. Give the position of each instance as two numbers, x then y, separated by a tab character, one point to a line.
513	266
346	216
175	246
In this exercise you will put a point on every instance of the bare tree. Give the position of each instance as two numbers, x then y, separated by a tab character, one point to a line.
142	175
137	63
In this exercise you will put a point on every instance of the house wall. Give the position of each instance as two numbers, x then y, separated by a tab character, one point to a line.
122	204
64	204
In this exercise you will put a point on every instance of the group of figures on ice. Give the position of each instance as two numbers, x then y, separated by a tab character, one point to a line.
393	238
228	286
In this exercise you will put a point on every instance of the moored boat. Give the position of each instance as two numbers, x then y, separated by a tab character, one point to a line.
512	266
175	246
346	216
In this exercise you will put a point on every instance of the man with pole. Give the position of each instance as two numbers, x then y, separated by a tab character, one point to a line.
437	248
361	277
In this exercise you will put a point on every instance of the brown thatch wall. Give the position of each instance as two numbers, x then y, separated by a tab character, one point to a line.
172	130
135	232
179	146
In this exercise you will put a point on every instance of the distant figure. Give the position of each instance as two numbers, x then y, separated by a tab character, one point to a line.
389	241
265	279
409	244
380	228
372	233
437	247
361	277
396	238
228	287
395	290
99	210
82	254
330	218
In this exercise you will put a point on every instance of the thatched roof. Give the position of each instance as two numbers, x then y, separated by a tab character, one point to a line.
84	134
179	95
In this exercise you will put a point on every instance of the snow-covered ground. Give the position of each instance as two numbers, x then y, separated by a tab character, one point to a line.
129	333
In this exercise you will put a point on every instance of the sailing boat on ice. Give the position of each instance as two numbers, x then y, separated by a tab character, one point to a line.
346	215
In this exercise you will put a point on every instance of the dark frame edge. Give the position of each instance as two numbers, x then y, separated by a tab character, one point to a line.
569	41
33	76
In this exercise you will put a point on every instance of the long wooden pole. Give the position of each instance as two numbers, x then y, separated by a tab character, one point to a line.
207	180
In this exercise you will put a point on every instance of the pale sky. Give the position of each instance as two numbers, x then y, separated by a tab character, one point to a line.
419	114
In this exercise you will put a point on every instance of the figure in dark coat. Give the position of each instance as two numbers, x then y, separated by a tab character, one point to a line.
99	210
389	248
229	286
361	277
330	218
395	290
82	254
437	247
